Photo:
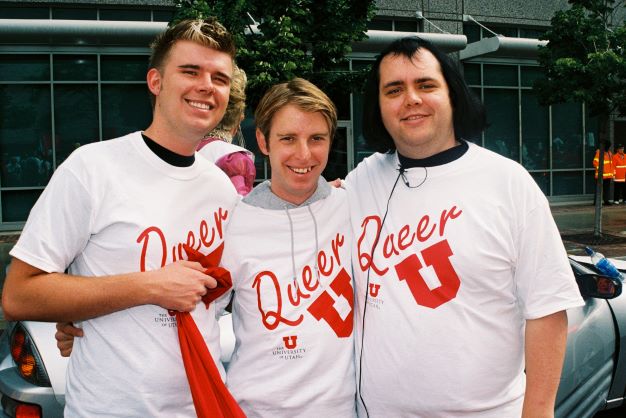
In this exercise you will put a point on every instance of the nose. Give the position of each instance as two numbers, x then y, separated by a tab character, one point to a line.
413	97
303	151
205	84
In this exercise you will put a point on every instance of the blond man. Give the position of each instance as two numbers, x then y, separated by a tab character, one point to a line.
103	245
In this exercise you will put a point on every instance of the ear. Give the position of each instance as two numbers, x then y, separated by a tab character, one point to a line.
260	140
153	79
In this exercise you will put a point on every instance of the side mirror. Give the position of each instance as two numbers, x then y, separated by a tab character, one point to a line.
597	286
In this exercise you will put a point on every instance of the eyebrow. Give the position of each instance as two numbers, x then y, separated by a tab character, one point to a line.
325	133
399	83
190	66
197	67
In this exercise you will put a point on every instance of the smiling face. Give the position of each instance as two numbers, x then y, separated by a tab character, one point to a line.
415	104
298	147
191	90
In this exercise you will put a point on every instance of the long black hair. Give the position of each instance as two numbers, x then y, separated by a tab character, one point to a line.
468	113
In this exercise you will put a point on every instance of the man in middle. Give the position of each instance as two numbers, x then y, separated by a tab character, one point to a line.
288	250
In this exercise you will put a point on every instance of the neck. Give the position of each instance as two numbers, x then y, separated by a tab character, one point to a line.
296	201
175	143
426	151
441	158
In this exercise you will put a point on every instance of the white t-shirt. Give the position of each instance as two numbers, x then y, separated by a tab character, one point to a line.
115	207
294	351
463	260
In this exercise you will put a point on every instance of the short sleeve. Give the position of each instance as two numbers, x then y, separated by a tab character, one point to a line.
58	227
544	279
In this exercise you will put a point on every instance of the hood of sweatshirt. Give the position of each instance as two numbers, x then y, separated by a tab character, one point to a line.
262	197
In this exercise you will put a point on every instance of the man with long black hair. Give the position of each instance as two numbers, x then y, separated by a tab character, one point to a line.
462	278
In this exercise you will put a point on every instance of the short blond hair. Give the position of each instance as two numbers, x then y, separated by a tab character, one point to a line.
207	32
301	93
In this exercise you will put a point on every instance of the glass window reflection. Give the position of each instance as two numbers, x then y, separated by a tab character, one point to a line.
536	133
591	139
125	108
567	144
16	204
124	67
74	13
361	149
500	75
337	166
125	14
530	74
75	67
472	74
590	181
24	67
25	135
542	178
75	117
567	183
502	135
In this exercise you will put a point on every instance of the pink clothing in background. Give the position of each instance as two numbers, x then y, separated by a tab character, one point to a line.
235	161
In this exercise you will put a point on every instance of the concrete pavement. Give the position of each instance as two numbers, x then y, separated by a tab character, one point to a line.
576	223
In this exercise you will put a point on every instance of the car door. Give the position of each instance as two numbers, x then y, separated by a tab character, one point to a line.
589	360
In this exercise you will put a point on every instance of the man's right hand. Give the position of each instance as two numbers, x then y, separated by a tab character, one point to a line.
179	286
32	294
66	331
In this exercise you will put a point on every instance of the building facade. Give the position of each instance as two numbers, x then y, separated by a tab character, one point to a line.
73	72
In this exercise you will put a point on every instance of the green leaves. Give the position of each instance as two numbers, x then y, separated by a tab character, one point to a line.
584	59
294	38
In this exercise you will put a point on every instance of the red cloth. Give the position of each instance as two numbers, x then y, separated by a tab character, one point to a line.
210	396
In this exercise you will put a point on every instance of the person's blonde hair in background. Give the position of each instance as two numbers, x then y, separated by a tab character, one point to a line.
229	128
217	146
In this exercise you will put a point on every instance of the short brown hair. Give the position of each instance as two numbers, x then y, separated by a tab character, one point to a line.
300	92
207	32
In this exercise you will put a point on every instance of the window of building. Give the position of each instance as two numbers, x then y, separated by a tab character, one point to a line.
17	12
406	25
536	131
54	103
74	13
509	31
472	31
379	23
502	136
125	14
555	144
75	67
86	13
475	32
397	25
162	15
